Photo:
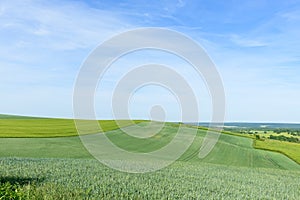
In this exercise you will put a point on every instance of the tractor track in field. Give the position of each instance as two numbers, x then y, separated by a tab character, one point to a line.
273	162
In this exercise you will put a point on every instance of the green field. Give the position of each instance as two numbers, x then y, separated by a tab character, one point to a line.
87	179
61	168
289	149
26	127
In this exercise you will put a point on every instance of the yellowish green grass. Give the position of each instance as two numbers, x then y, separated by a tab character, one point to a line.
292	150
43	127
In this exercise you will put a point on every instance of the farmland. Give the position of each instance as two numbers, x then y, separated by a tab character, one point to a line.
86	178
26	127
61	168
289	149
277	137
275	131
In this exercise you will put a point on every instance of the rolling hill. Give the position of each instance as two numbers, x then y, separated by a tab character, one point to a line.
59	166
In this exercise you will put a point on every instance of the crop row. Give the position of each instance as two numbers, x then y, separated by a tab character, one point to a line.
88	179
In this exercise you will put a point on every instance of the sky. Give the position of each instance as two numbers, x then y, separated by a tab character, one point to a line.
255	46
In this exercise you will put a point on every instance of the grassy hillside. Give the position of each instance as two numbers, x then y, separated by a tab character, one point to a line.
3	116
57	147
230	150
289	149
13	126
239	151
61	168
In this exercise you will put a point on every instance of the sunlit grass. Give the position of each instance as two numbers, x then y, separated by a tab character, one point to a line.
289	149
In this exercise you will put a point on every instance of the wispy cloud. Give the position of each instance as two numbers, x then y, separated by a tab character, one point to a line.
255	46
42	46
246	42
65	26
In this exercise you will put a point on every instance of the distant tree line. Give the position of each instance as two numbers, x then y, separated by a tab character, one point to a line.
284	138
290	131
294	132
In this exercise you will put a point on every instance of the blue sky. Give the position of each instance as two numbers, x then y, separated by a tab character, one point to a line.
254	44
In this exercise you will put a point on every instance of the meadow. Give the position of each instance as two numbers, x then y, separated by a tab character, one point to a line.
61	168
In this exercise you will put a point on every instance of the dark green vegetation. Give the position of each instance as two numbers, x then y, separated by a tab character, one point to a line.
61	168
290	133
284	138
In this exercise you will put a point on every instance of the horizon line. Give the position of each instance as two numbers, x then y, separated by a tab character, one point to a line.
233	121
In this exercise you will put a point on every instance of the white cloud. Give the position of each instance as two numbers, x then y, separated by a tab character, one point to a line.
247	42
291	15
180	3
42	46
60	26
43	43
